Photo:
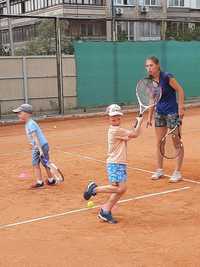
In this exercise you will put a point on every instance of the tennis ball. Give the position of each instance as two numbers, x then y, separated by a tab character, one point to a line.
90	204
54	127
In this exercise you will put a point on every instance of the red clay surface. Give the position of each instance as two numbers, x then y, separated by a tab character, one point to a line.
156	230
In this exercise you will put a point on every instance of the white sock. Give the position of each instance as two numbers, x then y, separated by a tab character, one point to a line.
51	179
39	181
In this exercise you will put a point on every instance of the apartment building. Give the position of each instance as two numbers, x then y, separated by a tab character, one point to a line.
177	13
131	20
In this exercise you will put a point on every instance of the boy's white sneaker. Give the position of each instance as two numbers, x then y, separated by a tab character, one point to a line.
176	177
157	174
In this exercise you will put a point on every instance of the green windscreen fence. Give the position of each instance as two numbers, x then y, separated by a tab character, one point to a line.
107	72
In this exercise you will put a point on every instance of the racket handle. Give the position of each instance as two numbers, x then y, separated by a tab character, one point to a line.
138	120
136	123
44	160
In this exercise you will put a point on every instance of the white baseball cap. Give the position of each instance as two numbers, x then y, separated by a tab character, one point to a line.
25	108
114	110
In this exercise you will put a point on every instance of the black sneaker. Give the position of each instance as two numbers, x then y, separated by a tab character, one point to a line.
106	217
37	185
89	192
53	182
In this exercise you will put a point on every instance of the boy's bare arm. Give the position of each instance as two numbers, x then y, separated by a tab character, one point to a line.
36	141
136	131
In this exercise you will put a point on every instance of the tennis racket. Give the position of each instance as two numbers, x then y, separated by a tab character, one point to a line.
148	94
55	171
171	144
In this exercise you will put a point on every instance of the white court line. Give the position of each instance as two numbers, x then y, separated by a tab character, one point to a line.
133	168
4	226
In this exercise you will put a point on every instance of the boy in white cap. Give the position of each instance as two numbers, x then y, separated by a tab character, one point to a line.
116	163
39	144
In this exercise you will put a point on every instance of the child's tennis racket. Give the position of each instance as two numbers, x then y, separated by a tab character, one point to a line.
55	171
171	144
148	94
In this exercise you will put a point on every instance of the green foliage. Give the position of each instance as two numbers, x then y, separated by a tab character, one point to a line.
45	41
184	35
122	37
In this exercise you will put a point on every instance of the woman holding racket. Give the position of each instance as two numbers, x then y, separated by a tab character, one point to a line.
168	113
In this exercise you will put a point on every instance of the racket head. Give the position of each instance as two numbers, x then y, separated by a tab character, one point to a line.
56	172
148	93
171	144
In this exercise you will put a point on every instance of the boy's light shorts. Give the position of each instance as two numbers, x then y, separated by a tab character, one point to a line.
36	155
117	172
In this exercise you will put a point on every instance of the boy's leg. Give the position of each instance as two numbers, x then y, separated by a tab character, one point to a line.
117	176
105	213
115	196
37	169
92	189
48	173
37	172
51	180
112	188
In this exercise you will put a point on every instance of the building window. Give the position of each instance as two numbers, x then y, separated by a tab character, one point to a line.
23	7
84	2
15	8
149	29
152	3
28	6
90	29
125	2
176	3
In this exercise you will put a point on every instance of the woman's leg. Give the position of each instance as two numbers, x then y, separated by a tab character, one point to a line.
160	133
180	157
177	176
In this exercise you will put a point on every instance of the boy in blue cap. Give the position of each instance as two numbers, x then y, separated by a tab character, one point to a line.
38	142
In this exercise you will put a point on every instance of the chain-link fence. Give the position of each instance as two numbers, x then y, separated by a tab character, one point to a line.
36	35
38	64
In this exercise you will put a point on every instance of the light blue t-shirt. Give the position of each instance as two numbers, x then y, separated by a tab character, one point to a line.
30	127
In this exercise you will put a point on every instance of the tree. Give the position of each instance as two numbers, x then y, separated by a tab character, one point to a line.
184	33
44	42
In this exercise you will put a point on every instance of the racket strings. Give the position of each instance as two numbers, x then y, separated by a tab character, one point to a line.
171	146
148	92
57	174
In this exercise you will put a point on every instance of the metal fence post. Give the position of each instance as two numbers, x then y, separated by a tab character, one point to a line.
0	109
59	66
10	28
25	83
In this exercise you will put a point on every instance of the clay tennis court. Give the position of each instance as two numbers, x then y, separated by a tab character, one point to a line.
158	221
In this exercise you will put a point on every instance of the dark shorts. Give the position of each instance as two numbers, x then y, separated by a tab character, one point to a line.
169	121
36	155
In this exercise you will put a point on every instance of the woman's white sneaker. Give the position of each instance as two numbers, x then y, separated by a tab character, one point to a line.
157	174
176	177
